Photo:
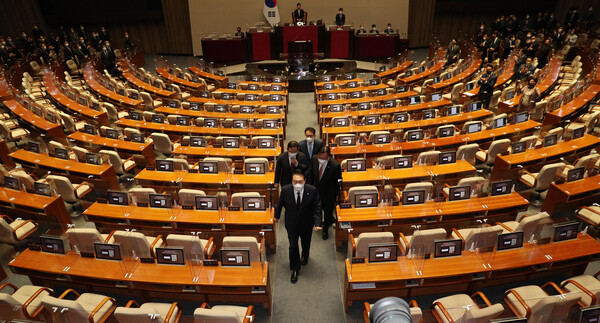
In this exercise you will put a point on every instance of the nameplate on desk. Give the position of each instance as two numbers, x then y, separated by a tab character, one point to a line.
216	227
233	208
139	204
332	145
258	290
147	260
363	286
411	283
150	168
266	228
210	262
216	146
368	143
193	171
84	254
185	144
345	206
358	260
187	207
383	223
238	172
34	247
101	200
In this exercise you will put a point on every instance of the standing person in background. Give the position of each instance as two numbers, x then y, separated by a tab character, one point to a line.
453	52
298	15
340	18
486	85
288	162
310	146
326	175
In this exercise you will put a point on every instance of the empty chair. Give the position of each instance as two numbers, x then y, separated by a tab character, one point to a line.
478	185
359	190
25	178
14	134
467	124
259	160
589	214
257	249
529	224
421	241
112	112
141	194
136	244
484	237
588	162
586	286
360	244
120	166
193	246
179	164
454	94
70	124
80	153
14	231
87	307
425	186
84	238
223	164
467	152
162	143
188	196
25	302
182	95
428	157
149	103
148	312
494	100
541	181
416	314
373	137
488	157
237	198
224	314
66	190
535	304
463	308
387	161
37	70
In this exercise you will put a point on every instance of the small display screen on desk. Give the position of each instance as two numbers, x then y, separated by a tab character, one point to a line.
170	256
89	129
363	106
255	168
403	162
210	122
501	187
276	87
328	86
235	257
254	203
578	133
365	200
165	165
137	137
112	134
356	94
232	86
446	131
347	140
270	124
401	117
158	118
575	174
42	189
118	198
208	167
413	197
381	138
275	97
448	157
448	248
61	153
401	88
565	231
458	193
414	100
383	253
52	244
194	106
475	106
510	240
265	142
374	119
356	165
428	114
374	82
474	128
197	141
389	103
454	110
240	123
470	86
160	200
436	97
93	159
550	140
33	147
107	251
415	135
521	117
173	104
352	84
206	202
183	121
519	147
251	97
273	109
590	314
134	115
499	123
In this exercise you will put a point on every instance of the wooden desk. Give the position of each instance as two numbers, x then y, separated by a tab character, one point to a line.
180	131
36	122
164	73
431	215
338	82
444	85
457	274
390	73
571	109
572	195
131	78
348	90
508	166
393	96
195	153
36	207
148	281
71	106
507	74
284	92
422	76
219	115
4	151
121	100
103	176
438	143
282	103
221	80
127	148
285	84
217	224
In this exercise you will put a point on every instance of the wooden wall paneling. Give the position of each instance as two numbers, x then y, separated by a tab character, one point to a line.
420	22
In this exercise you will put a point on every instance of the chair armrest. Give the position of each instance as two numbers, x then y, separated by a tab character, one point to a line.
403	238
131	303
31	299
86	192
413	303
249	316
353	242
156	240
174	306
366	310
483	297
68	291
209	252
443	310
28	234
589	209
99	306
346	196
520	300
110	235
583	289
205	305
9	285
459	235
553	285
128	159
504	226
4	216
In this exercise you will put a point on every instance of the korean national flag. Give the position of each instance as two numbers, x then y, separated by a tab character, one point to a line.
271	12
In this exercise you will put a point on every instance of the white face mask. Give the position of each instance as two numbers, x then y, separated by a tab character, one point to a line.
293	155
298	187
323	161
310	139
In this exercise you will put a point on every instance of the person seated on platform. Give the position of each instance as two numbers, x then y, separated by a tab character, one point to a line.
340	18
453	52
529	94
389	30
239	33
361	30
374	30
298	15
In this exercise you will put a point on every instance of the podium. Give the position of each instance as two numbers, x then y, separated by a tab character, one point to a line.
314	33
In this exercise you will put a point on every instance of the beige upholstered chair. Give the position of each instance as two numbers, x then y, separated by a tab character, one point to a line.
237	198
257	249
224	164
148	313
14	231
141	194
421	241
483	238
162	143
149	103
588	162
179	164
454	94
541	181
388	160
143	246
64	188
535	304
224	314
589	214
467	152
87	307
360	244
463	308
587	286
529	224
488	157
84	238
359	190
187	196
25	303
120	166
192	245
478	185
428	157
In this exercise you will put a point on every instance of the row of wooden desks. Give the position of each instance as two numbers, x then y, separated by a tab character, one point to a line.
36	207
571	109
367	99
423	75
238	102
220	80
196	153
508	166
220	115
507	74
469	272
121	100
353	89
444	85
572	195
36	122
127	148
431	214
237	91
319	84
164	73
148	281
392	72
484	136
132	79
70	105
102	176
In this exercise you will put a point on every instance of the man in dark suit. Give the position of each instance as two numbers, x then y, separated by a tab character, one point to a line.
310	146
302	211
486	85
494	48
525	70
298	14
326	175
340	18
288	162
453	53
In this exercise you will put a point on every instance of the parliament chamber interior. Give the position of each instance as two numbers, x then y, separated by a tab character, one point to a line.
141	143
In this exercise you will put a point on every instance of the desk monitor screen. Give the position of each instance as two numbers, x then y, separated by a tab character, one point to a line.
92	158
240	123
169	87
12	183
336	108
519	147
381	138
428	114
270	124
170	256
565	231
501	187
61	153
352	84
250	97
254	203
475	106
446	132
133	95
276	87
365	200
255	168
401	88
348	76
401	117
232	86
414	100
89	129
52	244
328	86
96	106
51	117
458	193
326	78
173	104
590	314
382	68
220	73
121	91
578	133
238	257
183	121
252	87
356	165
208	167
246	109
474	127
118	198
415	135
373	119
265	142
383	252
403	162
194	106
510	95
349	140
510	240
448	248
374	82
158	118
231	142
273	109
436	97
204	94
550	140
34	147
331	96
206	202
499	123
413	197
454	110
107	251
341	122
196	141
42	189
356	94
422	68
160	200
436	80
165	165
136	137
380	92
112	133
210	123
255	78
389	103
470	86
135	115
575	174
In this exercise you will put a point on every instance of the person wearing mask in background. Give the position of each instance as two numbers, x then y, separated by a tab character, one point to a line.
128	42
288	162
509	45
453	52
529	94
298	15
340	18
361	30
388	30
543	52
486	85
374	30
302	212
310	146
239	32
326	175
493	48
526	69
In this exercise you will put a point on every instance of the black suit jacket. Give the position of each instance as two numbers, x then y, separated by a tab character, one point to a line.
340	19
317	144
328	186
307	215
486	83
298	15
283	171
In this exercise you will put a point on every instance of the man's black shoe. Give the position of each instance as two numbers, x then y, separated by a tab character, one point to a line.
325	235
304	261
294	277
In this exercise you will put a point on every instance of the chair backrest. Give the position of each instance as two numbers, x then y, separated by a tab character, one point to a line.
110	111
587	161
63	186
83	238
547	175
591	122
553	308
75	312
193	246
367	238
483	238
258	160
484	314
80	153
133	242
467	152
386	161
557	130
426	186
530	141
494	99
180	164
187	196
6	235
478	184
244	242
148	102
140	194
224	164
428	157
533	224
68	122
496	147
237	198
360	190
162	143
455	93
115	160
215	315
422	241
468	123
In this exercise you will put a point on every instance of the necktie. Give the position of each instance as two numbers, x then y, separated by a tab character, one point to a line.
298	199
310	149
292	166
321	171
